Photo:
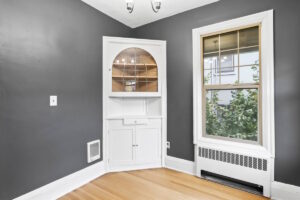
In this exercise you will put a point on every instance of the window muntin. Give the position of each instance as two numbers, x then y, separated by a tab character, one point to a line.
231	85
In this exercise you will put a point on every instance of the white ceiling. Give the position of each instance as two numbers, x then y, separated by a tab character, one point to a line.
143	13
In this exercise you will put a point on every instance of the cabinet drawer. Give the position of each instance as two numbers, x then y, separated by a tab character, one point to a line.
131	121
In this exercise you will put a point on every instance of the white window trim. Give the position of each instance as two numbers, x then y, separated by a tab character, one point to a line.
267	81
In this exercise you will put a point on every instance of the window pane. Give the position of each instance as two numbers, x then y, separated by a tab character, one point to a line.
229	40
211	69
211	77
249	56
232	114
230	77
249	37
229	70
211	61
249	74
211	44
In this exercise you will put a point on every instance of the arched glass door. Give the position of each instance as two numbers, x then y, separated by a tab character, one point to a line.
134	70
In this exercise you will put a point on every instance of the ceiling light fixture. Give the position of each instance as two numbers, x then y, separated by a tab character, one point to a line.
129	5
155	4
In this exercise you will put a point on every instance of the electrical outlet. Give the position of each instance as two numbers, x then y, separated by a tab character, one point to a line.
168	145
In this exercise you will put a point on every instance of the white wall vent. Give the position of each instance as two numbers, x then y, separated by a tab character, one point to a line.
93	150
235	159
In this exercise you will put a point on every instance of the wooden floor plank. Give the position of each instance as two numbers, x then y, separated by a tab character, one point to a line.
156	184
195	183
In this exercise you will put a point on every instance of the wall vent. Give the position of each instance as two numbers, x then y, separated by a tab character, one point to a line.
232	158
93	150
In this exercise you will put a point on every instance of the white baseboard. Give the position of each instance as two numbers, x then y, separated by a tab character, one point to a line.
282	191
135	167
181	165
66	184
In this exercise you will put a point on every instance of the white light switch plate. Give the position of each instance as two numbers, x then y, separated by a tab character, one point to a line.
53	100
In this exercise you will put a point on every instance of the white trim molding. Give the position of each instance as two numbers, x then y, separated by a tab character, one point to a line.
180	165
282	191
66	184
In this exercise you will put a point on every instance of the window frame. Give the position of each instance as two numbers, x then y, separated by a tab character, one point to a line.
267	148
220	86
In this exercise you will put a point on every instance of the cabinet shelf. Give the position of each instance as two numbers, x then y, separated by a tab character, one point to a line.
136	77
135	64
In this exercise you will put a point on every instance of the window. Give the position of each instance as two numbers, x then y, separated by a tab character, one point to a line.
231	85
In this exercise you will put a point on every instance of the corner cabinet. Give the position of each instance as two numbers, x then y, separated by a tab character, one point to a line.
134	103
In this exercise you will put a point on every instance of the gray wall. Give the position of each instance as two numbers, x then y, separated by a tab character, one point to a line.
177	30
54	47
49	47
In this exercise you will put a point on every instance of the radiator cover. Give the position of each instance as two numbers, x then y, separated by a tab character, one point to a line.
248	168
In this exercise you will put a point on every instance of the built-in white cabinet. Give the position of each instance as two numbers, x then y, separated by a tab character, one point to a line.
121	146
134	103
133	145
148	141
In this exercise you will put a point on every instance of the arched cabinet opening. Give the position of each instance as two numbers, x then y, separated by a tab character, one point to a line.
134	70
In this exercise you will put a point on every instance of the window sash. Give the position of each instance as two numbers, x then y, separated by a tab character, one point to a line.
221	86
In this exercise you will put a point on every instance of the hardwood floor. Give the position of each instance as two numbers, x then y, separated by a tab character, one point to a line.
155	184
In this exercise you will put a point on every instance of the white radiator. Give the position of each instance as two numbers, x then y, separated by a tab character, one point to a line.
248	168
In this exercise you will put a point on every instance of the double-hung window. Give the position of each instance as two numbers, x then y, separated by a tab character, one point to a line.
231	85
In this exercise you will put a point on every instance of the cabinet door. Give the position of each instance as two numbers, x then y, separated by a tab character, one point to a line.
121	150
149	145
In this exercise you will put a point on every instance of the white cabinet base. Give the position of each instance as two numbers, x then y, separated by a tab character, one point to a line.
134	145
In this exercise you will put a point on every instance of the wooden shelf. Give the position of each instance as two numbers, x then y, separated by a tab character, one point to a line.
135	64
138	77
